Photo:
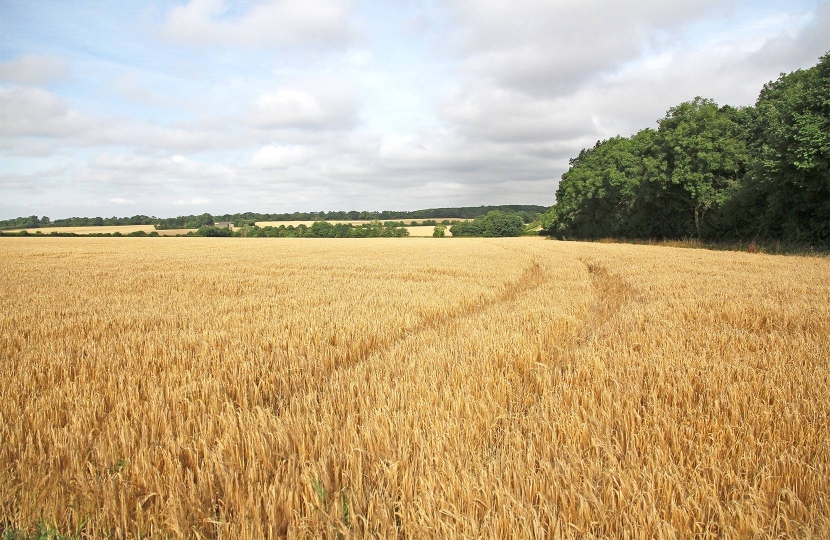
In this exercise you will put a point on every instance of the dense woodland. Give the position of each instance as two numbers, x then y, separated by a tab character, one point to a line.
495	223
711	172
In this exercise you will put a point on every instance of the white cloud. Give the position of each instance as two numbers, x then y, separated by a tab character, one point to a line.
34	69
196	201
121	201
275	22
132	88
124	162
315	104
26	111
141	172
800	44
279	157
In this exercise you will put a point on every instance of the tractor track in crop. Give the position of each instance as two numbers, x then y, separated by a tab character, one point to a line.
530	279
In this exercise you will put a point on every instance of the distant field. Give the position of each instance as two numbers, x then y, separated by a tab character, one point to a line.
174	232
353	222
485	388
306	223
126	229
425	231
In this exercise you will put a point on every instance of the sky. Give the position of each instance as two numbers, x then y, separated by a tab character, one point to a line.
165	108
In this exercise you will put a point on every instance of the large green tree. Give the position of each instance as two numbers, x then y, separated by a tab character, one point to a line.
600	193
791	144
705	153
495	223
711	172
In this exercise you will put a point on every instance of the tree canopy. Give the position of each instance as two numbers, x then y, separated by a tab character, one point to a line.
711	172
495	223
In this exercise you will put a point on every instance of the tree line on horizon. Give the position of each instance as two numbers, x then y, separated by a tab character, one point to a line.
494	223
319	229
528	213
715	173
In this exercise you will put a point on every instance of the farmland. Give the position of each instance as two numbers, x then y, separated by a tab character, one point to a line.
414	230
417	230
104	229
309	223
247	388
427	230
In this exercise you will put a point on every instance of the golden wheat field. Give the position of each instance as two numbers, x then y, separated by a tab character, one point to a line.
471	388
425	230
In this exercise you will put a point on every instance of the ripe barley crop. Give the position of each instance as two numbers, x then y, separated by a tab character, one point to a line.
236	388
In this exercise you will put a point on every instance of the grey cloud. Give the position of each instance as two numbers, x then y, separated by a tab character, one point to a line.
493	107
498	114
398	162
551	48
358	164
33	69
39	182
27	147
